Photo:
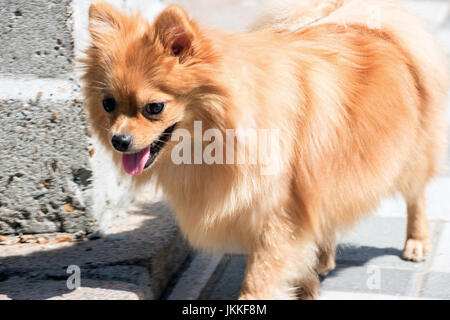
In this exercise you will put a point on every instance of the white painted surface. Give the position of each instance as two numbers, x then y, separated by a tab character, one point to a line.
111	190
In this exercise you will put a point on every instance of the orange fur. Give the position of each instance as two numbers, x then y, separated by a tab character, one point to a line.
360	111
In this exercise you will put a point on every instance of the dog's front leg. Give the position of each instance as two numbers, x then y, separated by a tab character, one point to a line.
281	268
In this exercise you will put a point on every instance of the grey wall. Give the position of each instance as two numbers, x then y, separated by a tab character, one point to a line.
53	176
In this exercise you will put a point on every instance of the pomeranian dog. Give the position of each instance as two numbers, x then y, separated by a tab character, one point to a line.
356	90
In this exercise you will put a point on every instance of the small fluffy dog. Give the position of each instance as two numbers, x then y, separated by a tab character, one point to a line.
356	89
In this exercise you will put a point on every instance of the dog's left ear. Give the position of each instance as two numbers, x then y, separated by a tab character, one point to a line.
176	31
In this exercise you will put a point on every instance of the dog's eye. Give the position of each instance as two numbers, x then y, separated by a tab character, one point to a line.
109	104
154	108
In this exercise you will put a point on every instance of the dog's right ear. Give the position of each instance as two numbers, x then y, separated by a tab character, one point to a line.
104	20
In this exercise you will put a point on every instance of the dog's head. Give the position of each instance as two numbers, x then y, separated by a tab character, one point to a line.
142	80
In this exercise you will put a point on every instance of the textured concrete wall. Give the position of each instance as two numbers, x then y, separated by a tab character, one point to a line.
45	170
45	175
36	37
53	176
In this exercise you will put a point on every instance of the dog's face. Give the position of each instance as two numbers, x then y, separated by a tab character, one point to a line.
141	80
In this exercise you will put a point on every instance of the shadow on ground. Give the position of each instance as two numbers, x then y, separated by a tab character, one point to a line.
349	256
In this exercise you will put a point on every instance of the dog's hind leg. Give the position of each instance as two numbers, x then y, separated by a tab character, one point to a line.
417	243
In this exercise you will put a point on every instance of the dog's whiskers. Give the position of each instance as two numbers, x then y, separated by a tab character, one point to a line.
95	88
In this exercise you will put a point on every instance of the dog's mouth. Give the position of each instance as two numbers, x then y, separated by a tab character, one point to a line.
136	163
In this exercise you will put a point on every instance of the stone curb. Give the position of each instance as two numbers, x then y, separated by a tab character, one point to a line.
144	249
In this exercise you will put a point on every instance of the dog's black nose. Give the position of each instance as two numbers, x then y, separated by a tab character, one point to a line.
121	142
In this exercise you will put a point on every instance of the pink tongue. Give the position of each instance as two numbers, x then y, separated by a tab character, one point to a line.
135	163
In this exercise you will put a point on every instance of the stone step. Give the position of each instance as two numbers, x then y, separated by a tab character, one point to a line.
142	251
107	283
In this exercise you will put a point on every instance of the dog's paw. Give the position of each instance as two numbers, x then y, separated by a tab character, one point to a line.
324	268
416	250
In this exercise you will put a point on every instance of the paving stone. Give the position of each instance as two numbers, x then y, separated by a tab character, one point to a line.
228	286
369	279
441	259
436	285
